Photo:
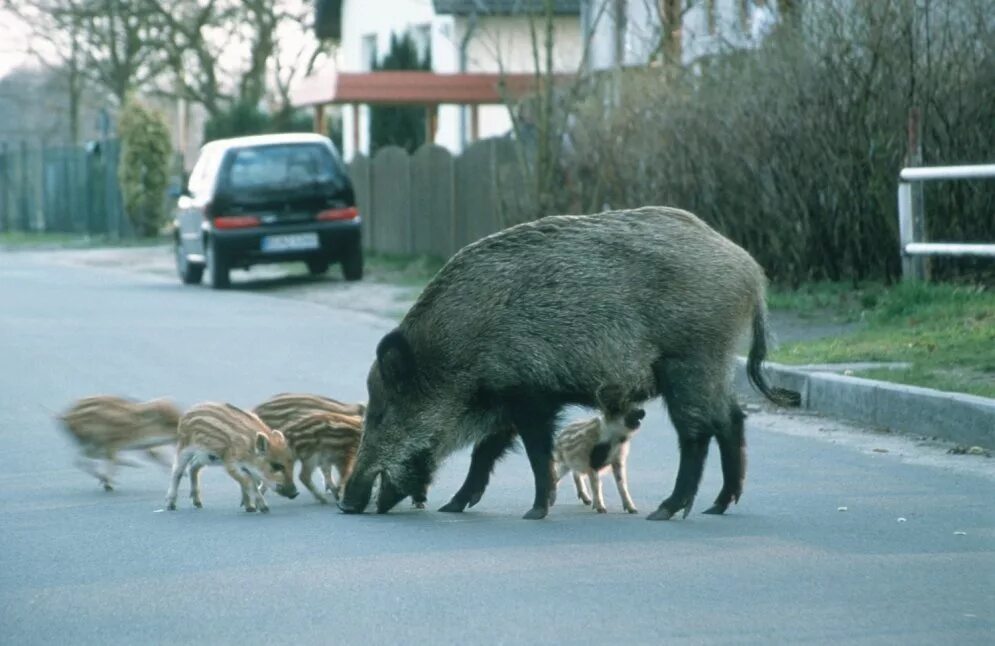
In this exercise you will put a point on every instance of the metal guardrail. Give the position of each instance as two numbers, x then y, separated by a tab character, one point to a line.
912	218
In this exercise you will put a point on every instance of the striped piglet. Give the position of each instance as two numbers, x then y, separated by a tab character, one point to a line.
280	411
587	448
105	425
252	453
324	440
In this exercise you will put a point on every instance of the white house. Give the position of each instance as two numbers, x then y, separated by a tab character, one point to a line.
461	36
629	32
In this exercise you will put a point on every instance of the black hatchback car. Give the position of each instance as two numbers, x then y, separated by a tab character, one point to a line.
267	199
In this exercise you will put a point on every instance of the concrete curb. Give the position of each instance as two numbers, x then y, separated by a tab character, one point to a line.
965	419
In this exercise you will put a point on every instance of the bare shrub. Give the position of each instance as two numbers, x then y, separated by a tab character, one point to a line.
793	150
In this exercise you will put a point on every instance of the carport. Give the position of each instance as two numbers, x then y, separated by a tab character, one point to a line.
409	88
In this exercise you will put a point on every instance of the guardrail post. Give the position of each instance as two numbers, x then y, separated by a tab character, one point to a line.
912	267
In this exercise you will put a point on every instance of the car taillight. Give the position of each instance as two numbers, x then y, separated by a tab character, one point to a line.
236	221
349	213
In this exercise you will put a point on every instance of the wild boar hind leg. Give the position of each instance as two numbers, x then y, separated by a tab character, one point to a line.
535	422
697	400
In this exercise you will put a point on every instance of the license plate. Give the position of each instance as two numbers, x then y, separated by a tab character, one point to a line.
290	242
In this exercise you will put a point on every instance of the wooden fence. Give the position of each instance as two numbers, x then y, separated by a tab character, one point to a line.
64	189
432	203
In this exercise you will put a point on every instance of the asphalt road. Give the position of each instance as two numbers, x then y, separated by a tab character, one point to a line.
786	565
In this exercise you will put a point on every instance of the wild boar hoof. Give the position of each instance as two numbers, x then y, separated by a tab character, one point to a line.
419	505
452	507
536	513
108	487
250	509
601	510
475	498
632	510
198	504
660	514
716	509
171	506
264	510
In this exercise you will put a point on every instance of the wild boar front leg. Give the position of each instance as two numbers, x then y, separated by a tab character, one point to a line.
330	485
535	424
89	465
250	492
581	489
597	494
195	484
180	463
485	455
307	470
618	469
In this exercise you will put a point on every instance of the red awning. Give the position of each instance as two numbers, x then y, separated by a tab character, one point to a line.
411	88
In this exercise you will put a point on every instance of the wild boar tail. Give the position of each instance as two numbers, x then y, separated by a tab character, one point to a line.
754	363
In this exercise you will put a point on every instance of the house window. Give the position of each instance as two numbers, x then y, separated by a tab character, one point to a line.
369	52
422	37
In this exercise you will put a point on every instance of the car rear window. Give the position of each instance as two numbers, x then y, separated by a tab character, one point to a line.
282	166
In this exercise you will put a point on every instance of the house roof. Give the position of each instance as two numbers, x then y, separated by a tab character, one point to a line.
504	7
408	87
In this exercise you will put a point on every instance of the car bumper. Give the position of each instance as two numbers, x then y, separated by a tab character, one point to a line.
244	246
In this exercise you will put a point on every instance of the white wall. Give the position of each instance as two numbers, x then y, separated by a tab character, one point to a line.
501	43
643	26
495	42
361	18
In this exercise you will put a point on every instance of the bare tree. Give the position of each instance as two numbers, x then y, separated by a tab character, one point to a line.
56	42
222	52
112	43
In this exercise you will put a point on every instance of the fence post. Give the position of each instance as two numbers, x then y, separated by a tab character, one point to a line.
918	265
3	186
911	265
25	190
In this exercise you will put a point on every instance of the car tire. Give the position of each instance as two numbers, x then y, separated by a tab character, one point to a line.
218	271
352	262
317	266
190	273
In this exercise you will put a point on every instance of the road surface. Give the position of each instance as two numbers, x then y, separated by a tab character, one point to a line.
842	536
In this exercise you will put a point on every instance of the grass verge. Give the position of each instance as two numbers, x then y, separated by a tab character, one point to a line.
405	271
945	331
28	240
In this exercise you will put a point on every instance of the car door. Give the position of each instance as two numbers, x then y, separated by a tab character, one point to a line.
192	205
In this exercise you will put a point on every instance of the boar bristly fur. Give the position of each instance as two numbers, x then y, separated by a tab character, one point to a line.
538	316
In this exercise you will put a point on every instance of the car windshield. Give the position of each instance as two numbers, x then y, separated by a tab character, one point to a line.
282	166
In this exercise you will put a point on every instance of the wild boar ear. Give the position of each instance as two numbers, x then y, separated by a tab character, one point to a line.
262	443
611	400
395	359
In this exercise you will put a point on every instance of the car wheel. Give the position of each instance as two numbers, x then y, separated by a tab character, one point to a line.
317	266
217	266
352	262
190	273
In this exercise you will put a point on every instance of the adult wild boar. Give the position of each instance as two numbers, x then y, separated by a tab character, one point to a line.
523	322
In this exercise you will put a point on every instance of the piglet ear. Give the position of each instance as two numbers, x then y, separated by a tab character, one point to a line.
396	360
361	409
262	443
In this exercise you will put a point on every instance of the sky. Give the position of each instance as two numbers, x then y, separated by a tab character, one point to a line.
13	43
